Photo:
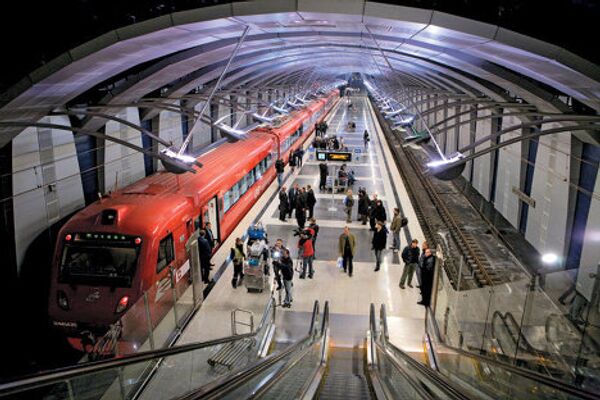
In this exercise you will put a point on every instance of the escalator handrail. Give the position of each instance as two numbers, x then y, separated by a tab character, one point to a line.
391	352
228	383
431	324
61	374
276	378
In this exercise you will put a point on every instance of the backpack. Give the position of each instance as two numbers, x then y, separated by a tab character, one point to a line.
403	222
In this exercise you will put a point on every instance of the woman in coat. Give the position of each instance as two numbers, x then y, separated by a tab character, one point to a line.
378	243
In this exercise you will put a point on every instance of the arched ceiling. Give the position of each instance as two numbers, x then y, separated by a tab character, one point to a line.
179	52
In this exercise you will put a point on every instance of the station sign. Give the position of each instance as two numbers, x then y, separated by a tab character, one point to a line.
341	156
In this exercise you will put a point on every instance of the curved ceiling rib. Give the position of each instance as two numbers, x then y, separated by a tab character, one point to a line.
184	51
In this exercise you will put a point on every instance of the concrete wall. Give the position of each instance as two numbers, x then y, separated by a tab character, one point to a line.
170	129
509	165
46	181
546	224
481	165
123	165
202	136
465	138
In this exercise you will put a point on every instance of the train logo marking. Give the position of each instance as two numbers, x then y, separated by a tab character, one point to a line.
94	296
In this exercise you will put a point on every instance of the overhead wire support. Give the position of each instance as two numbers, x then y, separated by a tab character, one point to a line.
417	112
213	91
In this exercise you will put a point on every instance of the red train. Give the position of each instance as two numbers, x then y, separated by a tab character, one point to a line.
111	252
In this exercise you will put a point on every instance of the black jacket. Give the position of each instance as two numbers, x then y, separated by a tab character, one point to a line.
283	201
292	194
410	255
379	239
286	267
204	249
428	264
323	169
300	201
279	166
379	213
311	200
363	205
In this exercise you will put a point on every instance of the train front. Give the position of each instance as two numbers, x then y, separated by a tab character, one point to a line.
95	276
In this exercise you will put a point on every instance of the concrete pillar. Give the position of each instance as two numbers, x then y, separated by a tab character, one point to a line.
46	181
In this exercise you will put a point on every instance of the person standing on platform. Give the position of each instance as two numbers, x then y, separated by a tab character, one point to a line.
238	256
323	176
311	200
410	256
276	254
283	204
348	204
380	214
363	206
366	139
313	225
205	254
427	278
279	168
307	252
346	249
286	267
378	243
398	222
301	208
372	206
292	162
293	192
424	246
299	156
210	237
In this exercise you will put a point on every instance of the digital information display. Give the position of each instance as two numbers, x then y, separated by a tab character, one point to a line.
341	156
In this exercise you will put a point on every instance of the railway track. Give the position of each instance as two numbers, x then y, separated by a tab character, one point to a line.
440	225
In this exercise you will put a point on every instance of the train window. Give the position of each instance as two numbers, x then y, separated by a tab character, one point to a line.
243	185
166	253
236	193
250	178
227	200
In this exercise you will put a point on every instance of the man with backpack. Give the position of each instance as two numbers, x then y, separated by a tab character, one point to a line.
398	222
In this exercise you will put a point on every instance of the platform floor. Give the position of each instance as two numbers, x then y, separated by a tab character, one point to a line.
349	297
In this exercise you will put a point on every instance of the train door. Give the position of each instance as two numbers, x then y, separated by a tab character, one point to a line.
211	214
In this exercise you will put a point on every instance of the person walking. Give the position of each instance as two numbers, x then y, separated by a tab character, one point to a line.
323	176
238	256
348	204
292	193
313	225
410	256
346	249
398	222
366	138
205	254
283	203
378	243
427	278
286	267
276	254
301	208
305	245
279	168
299	156
292	162
311	200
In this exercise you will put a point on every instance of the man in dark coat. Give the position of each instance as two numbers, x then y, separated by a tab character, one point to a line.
378	243
363	206
279	169
205	254
301	208
283	203
311	200
379	213
372	206
292	194
427	278
323	175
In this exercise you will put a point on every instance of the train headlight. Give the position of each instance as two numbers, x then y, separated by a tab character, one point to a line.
122	304
61	299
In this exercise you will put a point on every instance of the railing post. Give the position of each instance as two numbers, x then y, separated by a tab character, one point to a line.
149	319
174	290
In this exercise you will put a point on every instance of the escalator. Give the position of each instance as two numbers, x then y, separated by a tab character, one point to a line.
310	368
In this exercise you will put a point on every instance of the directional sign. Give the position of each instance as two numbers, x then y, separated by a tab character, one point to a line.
342	156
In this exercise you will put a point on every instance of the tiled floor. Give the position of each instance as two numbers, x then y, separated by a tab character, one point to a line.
349	298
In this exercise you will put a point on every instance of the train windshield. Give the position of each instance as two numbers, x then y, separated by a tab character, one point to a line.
99	264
